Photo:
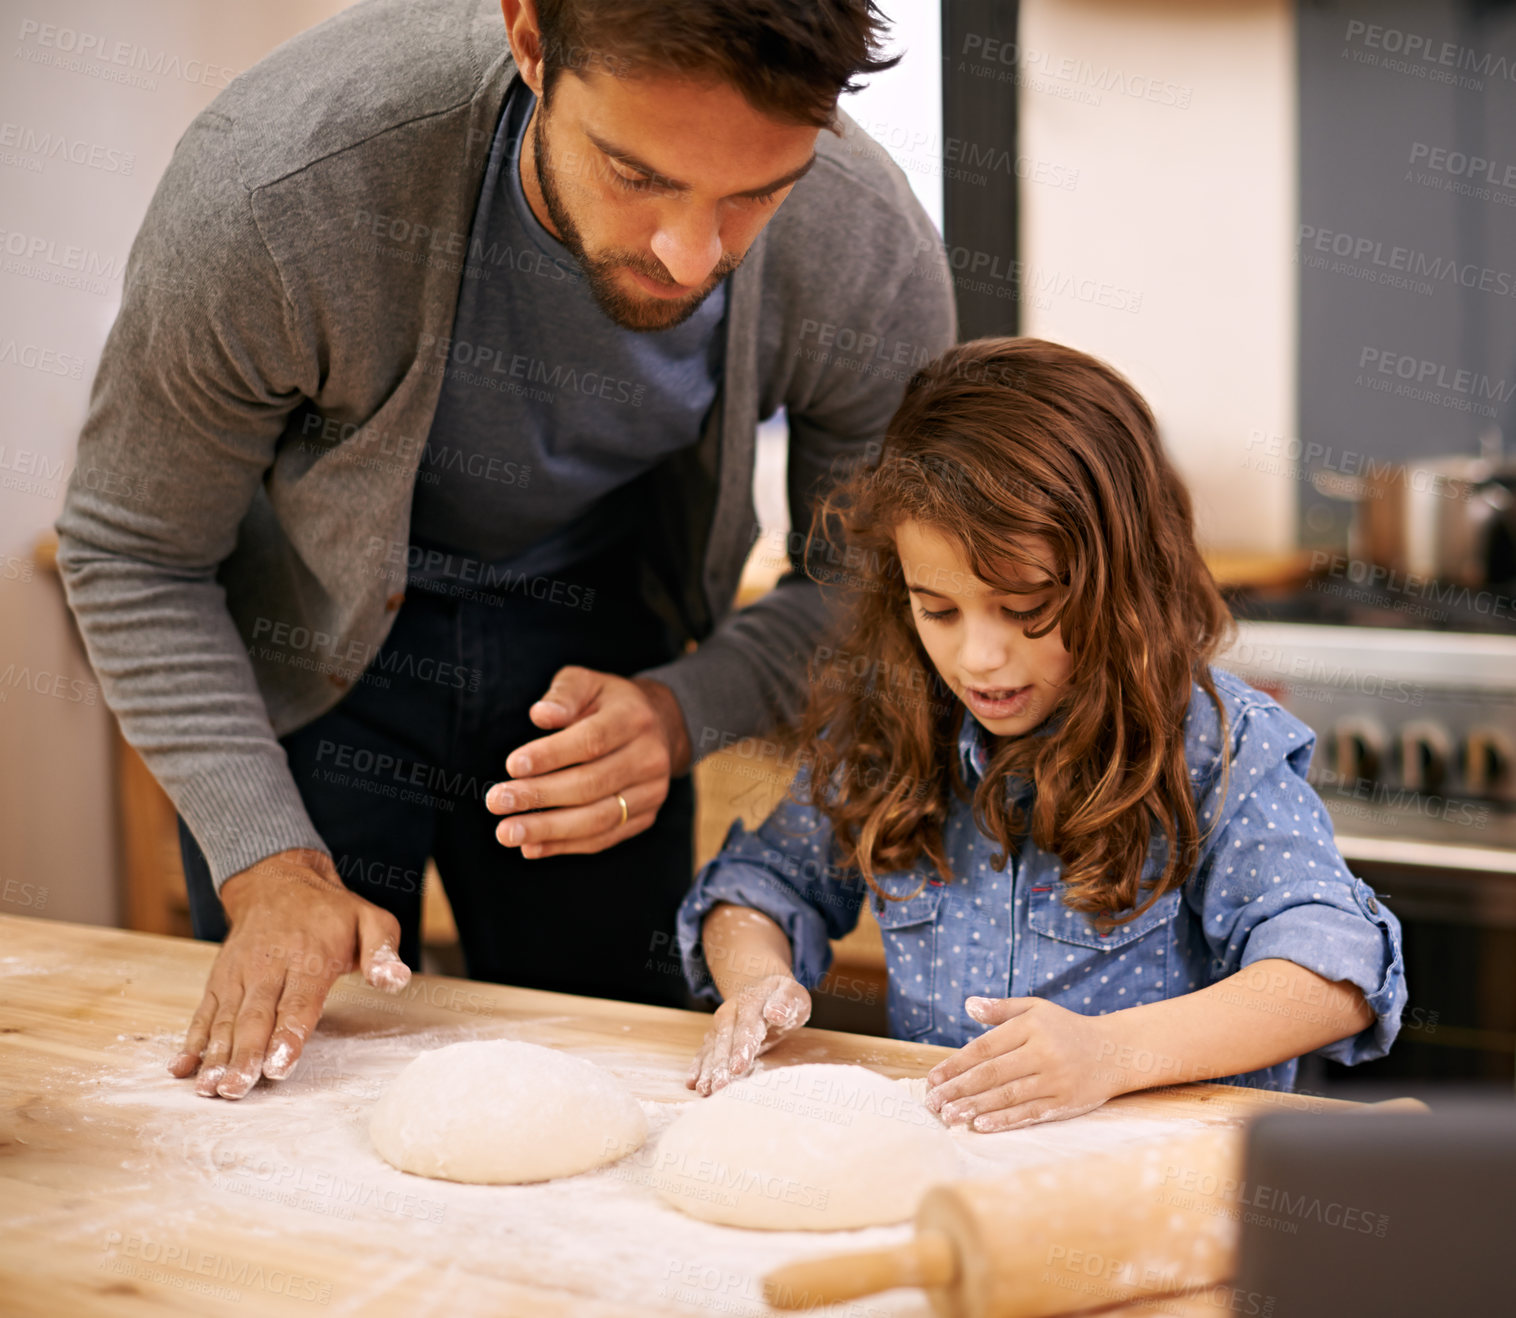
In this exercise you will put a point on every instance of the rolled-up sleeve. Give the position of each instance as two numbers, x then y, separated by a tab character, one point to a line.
1274	885
783	869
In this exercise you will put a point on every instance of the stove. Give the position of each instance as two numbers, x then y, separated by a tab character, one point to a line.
1411	692
1416	730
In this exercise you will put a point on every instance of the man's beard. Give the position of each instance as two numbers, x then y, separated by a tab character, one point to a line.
633	313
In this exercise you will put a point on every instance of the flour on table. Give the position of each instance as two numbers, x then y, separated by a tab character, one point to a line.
498	1111
295	1158
814	1147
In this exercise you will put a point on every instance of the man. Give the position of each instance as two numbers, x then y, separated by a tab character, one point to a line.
479	322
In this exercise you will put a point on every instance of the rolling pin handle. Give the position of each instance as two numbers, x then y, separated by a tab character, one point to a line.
928	1261
1397	1105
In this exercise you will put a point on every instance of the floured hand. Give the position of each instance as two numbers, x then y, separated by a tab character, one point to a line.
295	927
1038	1062
745	1025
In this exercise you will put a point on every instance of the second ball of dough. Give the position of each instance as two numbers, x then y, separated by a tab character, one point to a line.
815	1147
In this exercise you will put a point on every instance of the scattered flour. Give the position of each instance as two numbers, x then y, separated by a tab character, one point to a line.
294	1159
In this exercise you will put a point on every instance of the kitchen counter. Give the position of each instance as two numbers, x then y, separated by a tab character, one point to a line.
1473	836
121	1191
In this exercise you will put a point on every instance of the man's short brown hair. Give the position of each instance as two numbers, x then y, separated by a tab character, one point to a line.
791	59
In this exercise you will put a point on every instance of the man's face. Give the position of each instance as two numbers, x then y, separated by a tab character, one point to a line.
658	186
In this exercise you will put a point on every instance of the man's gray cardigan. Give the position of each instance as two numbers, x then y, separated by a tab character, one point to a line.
264	397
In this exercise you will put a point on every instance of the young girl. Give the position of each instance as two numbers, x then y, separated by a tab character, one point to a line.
1094	858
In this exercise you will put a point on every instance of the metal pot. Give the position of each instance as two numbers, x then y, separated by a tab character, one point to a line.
1450	519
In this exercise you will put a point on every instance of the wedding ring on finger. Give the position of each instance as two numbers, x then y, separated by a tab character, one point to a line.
624	811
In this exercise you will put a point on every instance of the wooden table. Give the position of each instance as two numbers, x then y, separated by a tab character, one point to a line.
123	1193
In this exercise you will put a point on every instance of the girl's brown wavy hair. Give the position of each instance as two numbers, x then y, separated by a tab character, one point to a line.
996	442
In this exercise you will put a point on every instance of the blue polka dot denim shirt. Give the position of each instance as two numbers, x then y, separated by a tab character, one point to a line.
1270	882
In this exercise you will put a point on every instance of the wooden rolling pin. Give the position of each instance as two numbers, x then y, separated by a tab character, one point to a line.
1158	1219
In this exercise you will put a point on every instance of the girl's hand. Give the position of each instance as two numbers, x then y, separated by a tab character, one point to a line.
1040	1062
750	1023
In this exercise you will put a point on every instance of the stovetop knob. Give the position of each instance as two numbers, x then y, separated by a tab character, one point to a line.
1487	759
1426	756
1359	744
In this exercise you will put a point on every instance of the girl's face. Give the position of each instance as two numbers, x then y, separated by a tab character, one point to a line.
975	633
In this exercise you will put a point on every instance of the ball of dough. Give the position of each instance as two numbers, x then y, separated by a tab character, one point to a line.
816	1147
500	1112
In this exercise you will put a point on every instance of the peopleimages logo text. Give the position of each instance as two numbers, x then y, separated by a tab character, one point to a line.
1461	164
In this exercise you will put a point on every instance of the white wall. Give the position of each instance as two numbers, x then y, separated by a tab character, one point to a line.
116	85
146	69
1183	205
1193	208
901	108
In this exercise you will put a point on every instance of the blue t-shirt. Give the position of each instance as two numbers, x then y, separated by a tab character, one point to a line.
1269	882
548	408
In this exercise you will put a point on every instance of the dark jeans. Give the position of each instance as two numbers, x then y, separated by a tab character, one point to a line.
397	773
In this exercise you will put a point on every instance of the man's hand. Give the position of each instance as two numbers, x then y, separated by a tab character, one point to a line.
618	734
1040	1062
749	1023
294	929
